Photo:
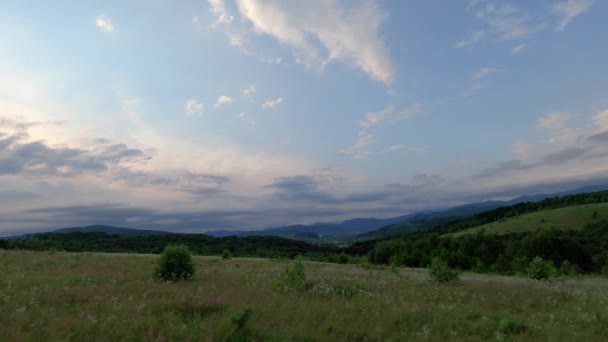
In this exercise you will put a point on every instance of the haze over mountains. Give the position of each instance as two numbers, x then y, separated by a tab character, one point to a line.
358	228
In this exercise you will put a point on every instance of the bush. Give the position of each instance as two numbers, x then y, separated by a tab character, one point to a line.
568	269
507	327
294	279
539	269
226	254
440	273
175	264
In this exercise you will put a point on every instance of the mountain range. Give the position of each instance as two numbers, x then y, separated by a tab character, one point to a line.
353	229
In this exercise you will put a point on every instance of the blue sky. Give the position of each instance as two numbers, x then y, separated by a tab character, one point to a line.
241	114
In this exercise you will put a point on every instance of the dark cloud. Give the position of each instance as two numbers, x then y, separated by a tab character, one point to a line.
599	137
302	188
39	158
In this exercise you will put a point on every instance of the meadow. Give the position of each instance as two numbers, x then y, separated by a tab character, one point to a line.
92	297
572	217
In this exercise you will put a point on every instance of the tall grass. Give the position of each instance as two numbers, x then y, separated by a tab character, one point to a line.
62	296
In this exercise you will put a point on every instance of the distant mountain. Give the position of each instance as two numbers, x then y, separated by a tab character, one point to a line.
348	227
110	230
373	228
424	221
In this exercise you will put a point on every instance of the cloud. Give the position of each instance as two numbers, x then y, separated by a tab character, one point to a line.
104	24
361	148
584	147
518	49
218	8
482	73
473	39
18	156
272	103
505	21
222	100
243	116
249	91
401	147
320	32
568	10
193	107
552	120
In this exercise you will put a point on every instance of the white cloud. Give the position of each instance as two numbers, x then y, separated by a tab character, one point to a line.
505	21
243	116
518	49
601	120
322	32
193	107
483	72
275	60
218	8
389	113
222	100
250	90
552	120
400	147
473	39
568	10
272	103
359	149
104	24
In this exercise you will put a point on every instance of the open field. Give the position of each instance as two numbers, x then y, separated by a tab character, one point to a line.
87	297
573	217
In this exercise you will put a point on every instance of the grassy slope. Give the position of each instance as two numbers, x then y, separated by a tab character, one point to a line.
63	296
573	217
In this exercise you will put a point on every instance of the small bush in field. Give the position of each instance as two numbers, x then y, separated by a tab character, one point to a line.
539	269
294	278
226	254
508	327
175	264
440	273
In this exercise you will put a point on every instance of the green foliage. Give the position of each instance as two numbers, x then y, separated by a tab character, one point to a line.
294	278
226	254
595	215
568	269
509	327
440	273
240	319
539	269
175	264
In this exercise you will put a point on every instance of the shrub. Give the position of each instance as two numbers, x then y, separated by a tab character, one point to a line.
294	278
342	258
240	319
508	327
440	273
226	254
568	269
539	269
175	264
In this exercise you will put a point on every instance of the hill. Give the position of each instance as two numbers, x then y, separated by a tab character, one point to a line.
573	217
348	227
427	220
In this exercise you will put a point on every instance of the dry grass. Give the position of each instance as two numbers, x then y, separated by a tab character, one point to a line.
63	296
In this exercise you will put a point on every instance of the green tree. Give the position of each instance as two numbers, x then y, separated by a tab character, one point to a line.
539	269
175	264
440	273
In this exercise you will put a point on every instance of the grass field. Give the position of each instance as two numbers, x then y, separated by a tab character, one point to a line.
574	217
89	297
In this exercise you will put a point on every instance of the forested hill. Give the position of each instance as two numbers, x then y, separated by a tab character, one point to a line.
520	209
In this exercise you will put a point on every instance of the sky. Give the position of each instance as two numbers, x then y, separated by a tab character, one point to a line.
199	115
